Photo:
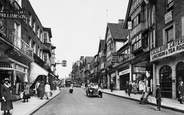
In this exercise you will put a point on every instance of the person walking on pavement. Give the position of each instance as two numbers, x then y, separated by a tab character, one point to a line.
47	90
26	95
37	91
181	92
126	87
158	97
6	104
134	87
112	86
41	89
129	88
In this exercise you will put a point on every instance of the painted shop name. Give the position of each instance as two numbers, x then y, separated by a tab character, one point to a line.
171	48
13	15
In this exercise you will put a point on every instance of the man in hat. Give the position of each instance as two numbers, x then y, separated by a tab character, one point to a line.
158	97
6	104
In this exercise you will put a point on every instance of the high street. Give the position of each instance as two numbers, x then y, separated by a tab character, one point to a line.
79	104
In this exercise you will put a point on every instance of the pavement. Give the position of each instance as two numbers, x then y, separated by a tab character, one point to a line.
167	103
28	108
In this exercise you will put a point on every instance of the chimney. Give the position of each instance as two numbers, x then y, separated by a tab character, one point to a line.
121	21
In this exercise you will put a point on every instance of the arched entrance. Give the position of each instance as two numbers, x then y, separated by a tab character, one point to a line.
166	81
179	74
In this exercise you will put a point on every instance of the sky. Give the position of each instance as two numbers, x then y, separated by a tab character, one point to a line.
77	26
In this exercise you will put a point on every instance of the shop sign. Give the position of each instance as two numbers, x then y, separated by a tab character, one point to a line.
169	49
20	68
168	17
124	72
18	15
114	58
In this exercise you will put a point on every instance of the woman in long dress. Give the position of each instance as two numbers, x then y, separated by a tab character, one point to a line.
41	88
6	104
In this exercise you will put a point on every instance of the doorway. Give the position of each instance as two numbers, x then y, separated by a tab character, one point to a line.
179	75
166	81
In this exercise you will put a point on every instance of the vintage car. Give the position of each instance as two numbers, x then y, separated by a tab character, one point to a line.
93	90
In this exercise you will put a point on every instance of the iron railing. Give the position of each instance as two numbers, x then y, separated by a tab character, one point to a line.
17	42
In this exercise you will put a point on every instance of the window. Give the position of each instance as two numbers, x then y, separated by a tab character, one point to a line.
34	26
152	39
38	52
169	5
38	33
45	37
34	47
30	41
137	42
169	34
45	57
153	15
17	35
30	20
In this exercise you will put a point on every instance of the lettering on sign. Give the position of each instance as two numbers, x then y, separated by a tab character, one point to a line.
171	48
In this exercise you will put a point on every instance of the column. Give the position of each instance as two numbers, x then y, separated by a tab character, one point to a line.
108	81
131	72
173	82
154	79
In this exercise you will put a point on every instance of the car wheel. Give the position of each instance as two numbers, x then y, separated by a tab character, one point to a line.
100	94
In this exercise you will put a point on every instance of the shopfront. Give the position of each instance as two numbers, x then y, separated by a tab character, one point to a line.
104	78
124	76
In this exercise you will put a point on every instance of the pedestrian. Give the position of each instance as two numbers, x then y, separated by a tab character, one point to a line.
126	87
134	87
181	92
111	86
129	88
37	91
41	89
26	94
158	97
47	90
6	104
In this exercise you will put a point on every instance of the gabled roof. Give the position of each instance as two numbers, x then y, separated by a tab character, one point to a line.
117	31
88	59
101	45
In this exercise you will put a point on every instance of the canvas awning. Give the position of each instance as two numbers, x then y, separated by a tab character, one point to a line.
35	71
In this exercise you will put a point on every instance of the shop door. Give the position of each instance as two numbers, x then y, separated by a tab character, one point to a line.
179	74
123	79
166	81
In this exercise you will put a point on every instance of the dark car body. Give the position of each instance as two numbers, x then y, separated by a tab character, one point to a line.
93	90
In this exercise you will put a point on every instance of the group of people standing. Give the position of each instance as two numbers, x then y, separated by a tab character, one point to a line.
42	89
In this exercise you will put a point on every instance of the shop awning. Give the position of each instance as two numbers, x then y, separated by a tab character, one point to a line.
35	71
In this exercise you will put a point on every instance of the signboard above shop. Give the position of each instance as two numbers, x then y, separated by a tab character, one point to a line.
169	49
16	15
